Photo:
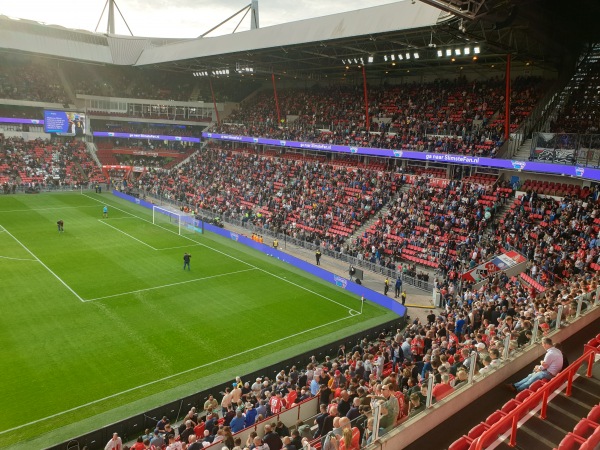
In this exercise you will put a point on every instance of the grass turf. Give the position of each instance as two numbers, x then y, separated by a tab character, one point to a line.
103	315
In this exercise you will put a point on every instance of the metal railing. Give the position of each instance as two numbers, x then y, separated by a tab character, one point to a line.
566	148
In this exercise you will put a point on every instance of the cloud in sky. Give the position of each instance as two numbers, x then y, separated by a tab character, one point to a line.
175	18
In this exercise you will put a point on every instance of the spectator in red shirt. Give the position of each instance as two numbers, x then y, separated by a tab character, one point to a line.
276	403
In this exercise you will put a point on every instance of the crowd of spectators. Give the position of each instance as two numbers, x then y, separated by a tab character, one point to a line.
458	116
580	114
35	164
558	237
441	225
308	199
128	82
391	373
30	80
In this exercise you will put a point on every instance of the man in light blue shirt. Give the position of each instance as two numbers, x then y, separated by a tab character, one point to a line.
314	386
548	368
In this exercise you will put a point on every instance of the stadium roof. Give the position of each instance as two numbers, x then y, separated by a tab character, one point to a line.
363	22
330	45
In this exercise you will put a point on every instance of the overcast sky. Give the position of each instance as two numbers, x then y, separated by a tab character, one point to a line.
175	18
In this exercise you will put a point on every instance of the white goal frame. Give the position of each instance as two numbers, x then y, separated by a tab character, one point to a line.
185	223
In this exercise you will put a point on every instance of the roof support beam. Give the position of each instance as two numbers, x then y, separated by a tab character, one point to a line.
467	9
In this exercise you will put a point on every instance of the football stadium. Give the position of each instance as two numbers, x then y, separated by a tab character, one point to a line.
374	229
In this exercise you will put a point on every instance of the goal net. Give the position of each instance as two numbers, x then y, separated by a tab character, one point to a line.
183	223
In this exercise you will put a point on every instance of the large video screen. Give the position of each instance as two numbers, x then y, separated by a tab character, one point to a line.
64	123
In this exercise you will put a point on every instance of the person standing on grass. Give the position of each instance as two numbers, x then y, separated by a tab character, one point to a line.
186	261
60	224
105	212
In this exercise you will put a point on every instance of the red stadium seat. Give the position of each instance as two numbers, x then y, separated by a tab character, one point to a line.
477	430
594	414
593	442
462	443
537	384
585	428
521	396
570	442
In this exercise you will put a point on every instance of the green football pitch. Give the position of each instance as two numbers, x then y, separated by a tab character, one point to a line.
101	321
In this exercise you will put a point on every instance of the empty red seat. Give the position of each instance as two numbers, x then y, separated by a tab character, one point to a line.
592	442
510	405
462	443
585	428
594	414
537	384
477	430
570	442
521	396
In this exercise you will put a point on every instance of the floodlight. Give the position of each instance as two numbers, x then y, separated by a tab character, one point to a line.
393	57
400	57
407	55
448	52
355	61
476	50
457	51
439	53
370	59
467	51
416	55
385	58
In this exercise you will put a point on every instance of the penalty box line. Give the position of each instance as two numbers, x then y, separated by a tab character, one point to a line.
139	240
168	377
230	256
18	259
127	234
44	265
167	285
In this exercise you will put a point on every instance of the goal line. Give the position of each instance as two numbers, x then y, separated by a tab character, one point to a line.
185	223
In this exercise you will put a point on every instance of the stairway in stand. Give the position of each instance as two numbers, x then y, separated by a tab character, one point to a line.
562	416
365	226
524	151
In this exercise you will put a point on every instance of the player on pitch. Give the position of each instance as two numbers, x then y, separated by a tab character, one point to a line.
186	261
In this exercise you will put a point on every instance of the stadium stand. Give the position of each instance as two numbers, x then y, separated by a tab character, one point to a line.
297	195
39	164
29	79
580	114
419	217
445	117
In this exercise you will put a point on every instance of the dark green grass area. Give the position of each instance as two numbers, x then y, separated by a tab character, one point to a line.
103	315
